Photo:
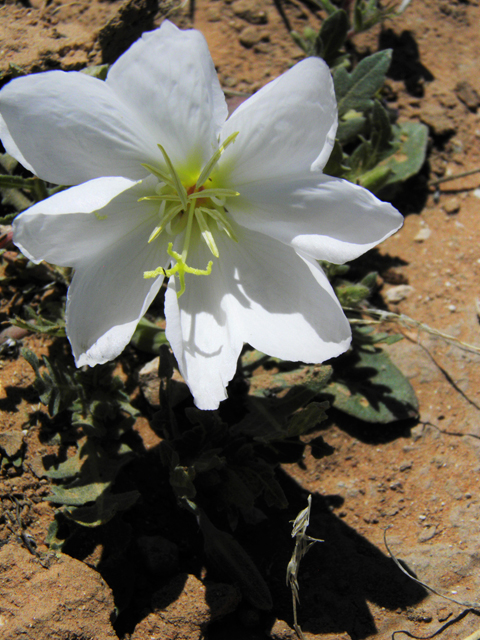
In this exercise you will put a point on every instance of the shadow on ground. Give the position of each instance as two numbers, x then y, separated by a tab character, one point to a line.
338	578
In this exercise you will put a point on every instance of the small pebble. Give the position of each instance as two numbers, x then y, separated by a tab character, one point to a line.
398	293
467	94
451	206
423	234
250	36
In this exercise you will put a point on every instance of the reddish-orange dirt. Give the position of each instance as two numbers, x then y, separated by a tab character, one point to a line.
419	479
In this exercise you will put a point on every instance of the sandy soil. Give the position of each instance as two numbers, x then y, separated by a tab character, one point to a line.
420	478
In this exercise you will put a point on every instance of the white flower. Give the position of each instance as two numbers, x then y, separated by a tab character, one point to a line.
235	212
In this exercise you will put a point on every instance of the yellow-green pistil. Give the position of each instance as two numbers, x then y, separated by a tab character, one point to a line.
181	207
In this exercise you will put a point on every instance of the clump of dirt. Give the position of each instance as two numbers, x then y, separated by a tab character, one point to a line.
63	599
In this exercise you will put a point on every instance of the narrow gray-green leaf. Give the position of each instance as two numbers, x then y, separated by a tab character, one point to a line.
356	90
232	560
371	388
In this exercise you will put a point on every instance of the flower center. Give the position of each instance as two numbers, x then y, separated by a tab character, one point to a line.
183	207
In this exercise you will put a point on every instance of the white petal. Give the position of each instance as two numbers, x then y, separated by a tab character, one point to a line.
70	128
109	295
168	78
110	253
323	217
261	292
64	229
287	127
10	145
204	339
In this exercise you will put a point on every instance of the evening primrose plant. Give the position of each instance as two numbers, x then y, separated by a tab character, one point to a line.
246	223
233	214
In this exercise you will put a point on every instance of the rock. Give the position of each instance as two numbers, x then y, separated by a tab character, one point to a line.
67	600
452	564
213	14
128	22
414	363
451	206
467	94
11	442
250	36
281	631
159	555
184	607
443	613
149	383
428	533
398	293
395	275
419	614
423	234
251	11
12	333
435	117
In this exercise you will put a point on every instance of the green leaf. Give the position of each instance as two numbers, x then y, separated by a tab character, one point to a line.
368	13
8	162
67	469
335	166
331	37
304	43
181	480
77	495
356	90
96	474
357	17
56	329
381	135
368	386
231	560
235	491
350	295
97	71
327	5
148	337
375	179
55	388
267	416
409	151
52	540
103	509
306	419
364	161
8	181
351	127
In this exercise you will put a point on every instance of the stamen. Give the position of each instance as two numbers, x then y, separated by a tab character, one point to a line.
165	220
158	173
218	201
177	183
209	193
208	168
178	212
206	233
221	221
165	196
